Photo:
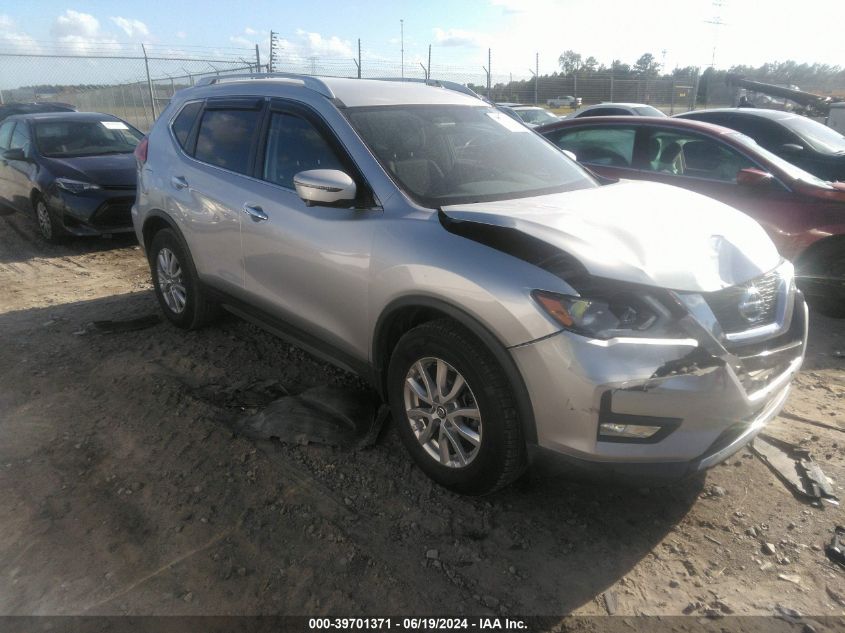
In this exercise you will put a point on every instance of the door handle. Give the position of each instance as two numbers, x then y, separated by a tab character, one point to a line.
255	213
179	182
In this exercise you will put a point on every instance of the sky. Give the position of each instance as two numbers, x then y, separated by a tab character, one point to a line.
677	32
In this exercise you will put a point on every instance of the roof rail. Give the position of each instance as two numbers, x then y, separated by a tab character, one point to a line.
314	83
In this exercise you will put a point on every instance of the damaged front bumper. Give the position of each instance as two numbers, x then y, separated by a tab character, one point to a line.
705	395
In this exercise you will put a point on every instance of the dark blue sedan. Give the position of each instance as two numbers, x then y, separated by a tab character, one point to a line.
74	171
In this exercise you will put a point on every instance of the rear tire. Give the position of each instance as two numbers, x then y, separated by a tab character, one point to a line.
471	442
177	286
822	278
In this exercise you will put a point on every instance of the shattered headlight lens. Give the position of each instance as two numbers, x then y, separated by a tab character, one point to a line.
622	314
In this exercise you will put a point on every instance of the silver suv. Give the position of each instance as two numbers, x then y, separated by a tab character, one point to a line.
490	288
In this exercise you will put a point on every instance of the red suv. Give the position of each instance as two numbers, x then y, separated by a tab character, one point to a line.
804	215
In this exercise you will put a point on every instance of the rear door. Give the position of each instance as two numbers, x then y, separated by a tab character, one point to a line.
209	184
308	265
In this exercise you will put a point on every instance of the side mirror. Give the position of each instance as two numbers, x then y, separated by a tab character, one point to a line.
751	177
14	154
570	154
324	187
791	148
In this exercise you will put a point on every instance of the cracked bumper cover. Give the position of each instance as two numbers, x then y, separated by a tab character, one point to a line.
710	409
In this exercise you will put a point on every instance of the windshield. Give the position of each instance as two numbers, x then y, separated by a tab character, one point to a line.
791	170
449	154
537	116
65	139
820	137
648	111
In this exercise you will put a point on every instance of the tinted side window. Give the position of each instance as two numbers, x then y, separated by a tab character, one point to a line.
6	134
20	137
685	154
609	146
606	112
766	133
225	138
294	145
184	122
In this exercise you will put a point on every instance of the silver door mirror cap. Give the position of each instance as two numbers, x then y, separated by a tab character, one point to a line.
324	187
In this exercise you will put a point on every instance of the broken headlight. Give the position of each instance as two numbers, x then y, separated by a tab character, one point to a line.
622	314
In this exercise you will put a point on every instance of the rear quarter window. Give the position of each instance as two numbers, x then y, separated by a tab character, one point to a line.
184	122
225	138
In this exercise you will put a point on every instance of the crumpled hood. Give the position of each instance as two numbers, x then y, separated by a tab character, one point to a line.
640	232
116	170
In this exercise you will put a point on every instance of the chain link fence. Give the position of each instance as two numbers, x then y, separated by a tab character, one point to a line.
134	88
137	87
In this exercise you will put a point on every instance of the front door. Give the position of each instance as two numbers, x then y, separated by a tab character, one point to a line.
308	265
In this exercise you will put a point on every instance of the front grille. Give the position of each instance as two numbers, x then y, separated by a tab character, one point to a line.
751	304
114	213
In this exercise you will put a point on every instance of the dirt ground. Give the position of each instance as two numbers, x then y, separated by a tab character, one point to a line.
123	489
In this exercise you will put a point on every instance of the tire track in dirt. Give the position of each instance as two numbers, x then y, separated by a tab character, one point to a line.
35	274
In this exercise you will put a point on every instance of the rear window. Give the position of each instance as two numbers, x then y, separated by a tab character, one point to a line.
184	123
648	111
225	138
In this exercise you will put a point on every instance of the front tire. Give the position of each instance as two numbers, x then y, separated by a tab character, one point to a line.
455	409
177	286
50	229
822	278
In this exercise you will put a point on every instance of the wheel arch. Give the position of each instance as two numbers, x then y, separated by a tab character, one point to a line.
155	221
819	248
405	313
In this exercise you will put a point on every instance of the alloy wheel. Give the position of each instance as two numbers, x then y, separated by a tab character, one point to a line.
443	412
45	222
170	282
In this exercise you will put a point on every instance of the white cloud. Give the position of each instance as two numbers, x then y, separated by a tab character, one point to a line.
133	28
75	24
79	33
316	44
250	31
241	41
511	6
15	40
181	35
458	37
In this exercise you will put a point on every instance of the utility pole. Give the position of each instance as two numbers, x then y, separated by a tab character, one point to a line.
489	72
357	62
257	60
274	41
402	48
536	76
149	83
716	22
428	72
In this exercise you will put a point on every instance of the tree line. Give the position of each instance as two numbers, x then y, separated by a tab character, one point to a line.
782	73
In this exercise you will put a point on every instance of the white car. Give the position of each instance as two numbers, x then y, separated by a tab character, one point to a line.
564	102
617	109
532	116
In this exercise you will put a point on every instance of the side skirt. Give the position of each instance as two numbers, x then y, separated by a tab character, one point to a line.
294	335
